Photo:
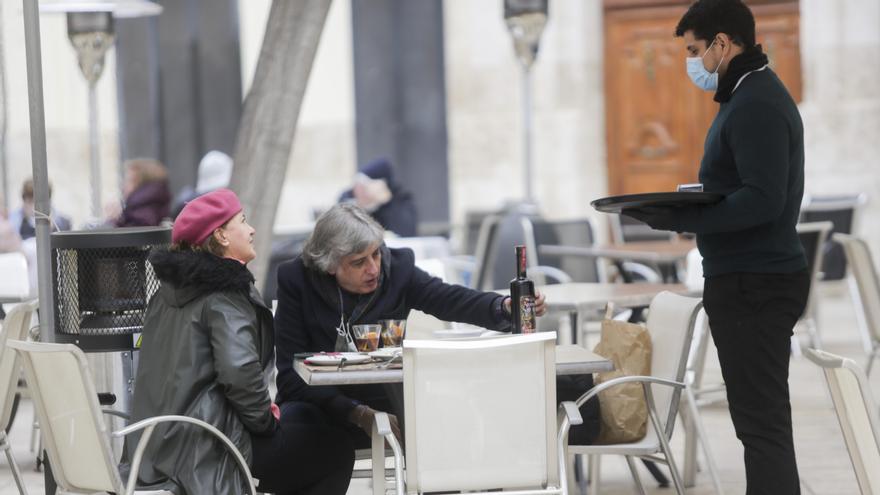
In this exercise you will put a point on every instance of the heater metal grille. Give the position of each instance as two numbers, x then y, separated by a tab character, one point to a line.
102	286
103	291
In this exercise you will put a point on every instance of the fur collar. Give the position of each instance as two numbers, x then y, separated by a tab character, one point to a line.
201	272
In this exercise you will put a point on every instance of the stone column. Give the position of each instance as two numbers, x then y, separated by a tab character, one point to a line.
179	85
400	96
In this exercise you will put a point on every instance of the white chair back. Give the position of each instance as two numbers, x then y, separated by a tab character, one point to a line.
15	327
15	282
857	413
865	273
694	270
671	320
74	433
480	414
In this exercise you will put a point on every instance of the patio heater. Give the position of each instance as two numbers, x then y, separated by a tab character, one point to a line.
526	20
101	284
90	30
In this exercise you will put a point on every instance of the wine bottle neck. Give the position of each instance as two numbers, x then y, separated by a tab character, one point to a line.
520	262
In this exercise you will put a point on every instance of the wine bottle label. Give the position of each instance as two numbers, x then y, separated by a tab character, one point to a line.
527	314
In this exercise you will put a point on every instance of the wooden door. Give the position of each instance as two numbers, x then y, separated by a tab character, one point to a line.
656	120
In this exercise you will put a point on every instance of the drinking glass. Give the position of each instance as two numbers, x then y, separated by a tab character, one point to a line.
392	332
366	337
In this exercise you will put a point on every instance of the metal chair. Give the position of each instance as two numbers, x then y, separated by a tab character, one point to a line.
866	295
843	211
857	414
495	258
15	327
812	237
579	232
74	432
671	322
627	229
481	416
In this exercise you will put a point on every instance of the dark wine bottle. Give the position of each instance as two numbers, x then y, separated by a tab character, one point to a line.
522	297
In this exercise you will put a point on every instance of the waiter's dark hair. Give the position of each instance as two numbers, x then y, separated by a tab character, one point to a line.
707	18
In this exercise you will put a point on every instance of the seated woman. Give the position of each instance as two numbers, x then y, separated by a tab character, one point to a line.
207	353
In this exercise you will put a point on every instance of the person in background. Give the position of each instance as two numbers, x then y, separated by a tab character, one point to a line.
22	219
215	170
145	193
376	191
207	353
756	277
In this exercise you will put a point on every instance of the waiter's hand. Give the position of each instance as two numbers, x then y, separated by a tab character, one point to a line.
657	217
540	306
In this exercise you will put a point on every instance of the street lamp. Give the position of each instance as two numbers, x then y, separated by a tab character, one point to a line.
526	20
90	30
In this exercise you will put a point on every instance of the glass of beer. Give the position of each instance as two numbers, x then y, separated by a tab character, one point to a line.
392	332
366	337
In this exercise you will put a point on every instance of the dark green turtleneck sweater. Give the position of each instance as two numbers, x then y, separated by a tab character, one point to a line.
754	155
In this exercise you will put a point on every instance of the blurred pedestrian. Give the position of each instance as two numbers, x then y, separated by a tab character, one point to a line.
377	192
145	192
22	219
215	170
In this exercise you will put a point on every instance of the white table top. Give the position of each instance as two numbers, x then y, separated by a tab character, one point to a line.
570	360
645	251
585	297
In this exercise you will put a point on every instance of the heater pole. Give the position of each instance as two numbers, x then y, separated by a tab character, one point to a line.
39	170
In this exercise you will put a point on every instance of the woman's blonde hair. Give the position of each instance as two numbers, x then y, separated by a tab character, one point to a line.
147	170
209	245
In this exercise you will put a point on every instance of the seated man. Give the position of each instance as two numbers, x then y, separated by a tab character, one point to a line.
347	276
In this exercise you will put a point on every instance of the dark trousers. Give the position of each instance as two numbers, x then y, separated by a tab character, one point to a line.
306	455
752	317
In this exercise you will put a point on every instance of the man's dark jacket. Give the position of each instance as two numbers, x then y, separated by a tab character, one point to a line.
308	314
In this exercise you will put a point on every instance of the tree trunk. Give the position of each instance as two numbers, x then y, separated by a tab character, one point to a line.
271	110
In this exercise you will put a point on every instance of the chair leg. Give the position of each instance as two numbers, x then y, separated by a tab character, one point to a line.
16	473
796	346
871	357
574	473
667	452
856	297
697	423
593	462
635	474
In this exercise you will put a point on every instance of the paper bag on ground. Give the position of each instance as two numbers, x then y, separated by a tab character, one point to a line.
623	411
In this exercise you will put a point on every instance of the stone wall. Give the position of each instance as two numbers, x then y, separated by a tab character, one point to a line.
840	46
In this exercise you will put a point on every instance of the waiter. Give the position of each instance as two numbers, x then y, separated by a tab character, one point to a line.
756	280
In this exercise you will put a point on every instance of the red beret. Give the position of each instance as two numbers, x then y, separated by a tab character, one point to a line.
198	219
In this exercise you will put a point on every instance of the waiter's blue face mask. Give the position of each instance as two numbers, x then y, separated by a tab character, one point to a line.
705	80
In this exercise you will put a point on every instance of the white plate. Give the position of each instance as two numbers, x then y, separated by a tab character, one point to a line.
385	352
458	334
335	359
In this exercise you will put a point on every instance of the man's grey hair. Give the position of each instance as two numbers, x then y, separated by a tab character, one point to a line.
342	230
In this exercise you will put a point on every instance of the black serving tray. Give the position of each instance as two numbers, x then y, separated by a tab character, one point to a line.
614	204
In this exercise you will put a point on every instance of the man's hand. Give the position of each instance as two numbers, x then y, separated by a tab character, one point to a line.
657	217
540	306
364	417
